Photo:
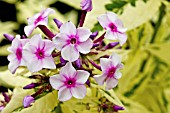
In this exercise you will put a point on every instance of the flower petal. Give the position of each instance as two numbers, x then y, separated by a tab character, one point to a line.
116	59
84	47
56	81
13	65
68	70
110	35
35	65
60	41
70	53
48	62
47	11
36	41
100	79
112	16
104	21
120	66
82	76
111	83
68	28
83	34
49	47
122	37
105	64
29	29
117	74
79	91
64	94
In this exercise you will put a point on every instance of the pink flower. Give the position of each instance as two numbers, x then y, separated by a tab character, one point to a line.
110	68
16	56
113	26
38	19
86	5
70	82
37	54
70	41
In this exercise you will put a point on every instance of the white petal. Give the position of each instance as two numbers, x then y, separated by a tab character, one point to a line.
30	21
79	91
64	94
49	47
104	21
122	37
70	53
111	83
112	16
110	35
48	62
37	41
56	81
11	57
120	66
117	74
68	28
83	34
100	79
68	70
13	65
116	59
35	65
47	12
29	29
84	47
82	76
105	64
60	40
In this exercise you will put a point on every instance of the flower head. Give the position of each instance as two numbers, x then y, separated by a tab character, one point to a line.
70	41
113	26
16	56
28	100
110	68
116	108
37	54
86	5
70	82
38	19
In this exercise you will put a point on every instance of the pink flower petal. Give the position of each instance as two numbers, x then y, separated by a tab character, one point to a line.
29	29
111	83
83	34
117	75
84	47
105	64
81	76
56	81
116	59
68	70
120	66
104	21
110	35
68	28
122	37
48	62
60	41
36	41
49	47
64	94
70	53
47	11
79	91
35	65
112	16
13	65
100	79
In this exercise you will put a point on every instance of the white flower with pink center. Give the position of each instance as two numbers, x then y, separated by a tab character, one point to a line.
110	68
37	54
38	19
71	41
70	82
113	26
16	56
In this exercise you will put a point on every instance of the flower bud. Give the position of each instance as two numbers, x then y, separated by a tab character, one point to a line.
57	22
93	35
9	37
116	108
86	5
27	101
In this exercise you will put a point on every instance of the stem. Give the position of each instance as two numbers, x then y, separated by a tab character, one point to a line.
100	38
38	92
111	45
83	16
46	31
95	65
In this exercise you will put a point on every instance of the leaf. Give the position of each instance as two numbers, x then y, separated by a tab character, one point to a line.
115	4
44	104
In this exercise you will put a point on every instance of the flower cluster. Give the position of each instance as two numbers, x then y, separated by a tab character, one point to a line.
72	48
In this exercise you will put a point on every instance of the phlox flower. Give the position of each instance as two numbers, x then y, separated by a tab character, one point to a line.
37	54
70	82
113	26
86	5
16	56
38	19
70	41
110	71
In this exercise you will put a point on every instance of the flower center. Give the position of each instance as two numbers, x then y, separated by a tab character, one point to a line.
19	53
40	54
111	72
112	27
73	40
70	82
